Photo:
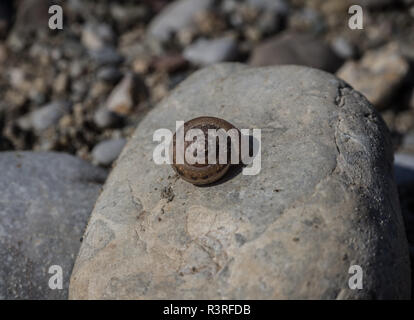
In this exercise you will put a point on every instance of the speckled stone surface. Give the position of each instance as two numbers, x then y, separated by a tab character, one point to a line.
324	200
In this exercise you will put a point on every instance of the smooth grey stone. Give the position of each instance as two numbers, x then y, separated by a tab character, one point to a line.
45	202
204	52
324	200
103	118
107	151
176	16
48	115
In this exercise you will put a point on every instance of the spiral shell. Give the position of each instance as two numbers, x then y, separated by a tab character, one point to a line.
201	174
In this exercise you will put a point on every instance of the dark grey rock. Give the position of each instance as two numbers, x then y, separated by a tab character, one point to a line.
109	74
106	56
325	199
45	202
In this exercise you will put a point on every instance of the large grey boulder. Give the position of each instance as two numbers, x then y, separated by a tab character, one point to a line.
45	202
325	200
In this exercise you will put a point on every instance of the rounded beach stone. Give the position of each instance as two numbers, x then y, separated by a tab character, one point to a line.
324	200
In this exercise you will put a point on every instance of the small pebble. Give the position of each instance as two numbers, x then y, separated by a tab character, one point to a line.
125	95
48	115
204	52
103	118
343	48
106	55
105	152
109	74
96	36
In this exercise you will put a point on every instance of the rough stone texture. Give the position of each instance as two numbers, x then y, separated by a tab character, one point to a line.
295	48
45	202
377	74
324	200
